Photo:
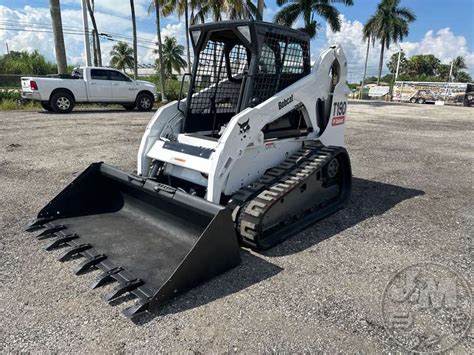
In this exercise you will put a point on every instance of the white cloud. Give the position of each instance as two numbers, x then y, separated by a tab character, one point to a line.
443	43
117	7
122	7
38	36
173	30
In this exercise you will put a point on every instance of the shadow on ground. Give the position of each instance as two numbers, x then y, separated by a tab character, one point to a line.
369	198
252	270
94	110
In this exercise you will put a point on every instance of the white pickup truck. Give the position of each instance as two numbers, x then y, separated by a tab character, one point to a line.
91	85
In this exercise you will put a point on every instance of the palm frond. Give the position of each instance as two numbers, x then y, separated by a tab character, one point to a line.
282	2
405	13
311	28
288	15
329	13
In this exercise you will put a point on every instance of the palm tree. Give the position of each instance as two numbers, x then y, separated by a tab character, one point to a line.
59	48
390	24
368	35
134	26
173	54
122	56
155	5
253	11
214	8
235	9
95	34
307	9
459	64
181	7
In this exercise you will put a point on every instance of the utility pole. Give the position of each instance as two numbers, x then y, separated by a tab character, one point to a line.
451	71
95	34
449	80
8	50
59	48
398	63
85	24
134	25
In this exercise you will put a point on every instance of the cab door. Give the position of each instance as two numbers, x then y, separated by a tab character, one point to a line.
123	88
100	87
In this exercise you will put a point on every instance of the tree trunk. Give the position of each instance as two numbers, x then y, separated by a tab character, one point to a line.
260	6
134	25
186	15
95	33
382	49
160	51
365	69
59	48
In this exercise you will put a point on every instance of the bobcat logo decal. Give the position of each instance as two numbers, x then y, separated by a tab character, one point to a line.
244	127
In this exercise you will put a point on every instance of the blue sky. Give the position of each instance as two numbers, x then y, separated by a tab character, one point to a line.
444	28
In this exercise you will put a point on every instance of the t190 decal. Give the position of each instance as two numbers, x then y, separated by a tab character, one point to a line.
339	113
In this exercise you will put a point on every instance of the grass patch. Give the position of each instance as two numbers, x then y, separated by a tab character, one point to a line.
14	105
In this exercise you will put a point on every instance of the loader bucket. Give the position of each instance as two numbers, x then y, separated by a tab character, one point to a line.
155	241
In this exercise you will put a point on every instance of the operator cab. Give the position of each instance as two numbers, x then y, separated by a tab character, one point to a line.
240	64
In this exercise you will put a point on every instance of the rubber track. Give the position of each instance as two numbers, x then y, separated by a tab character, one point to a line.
251	203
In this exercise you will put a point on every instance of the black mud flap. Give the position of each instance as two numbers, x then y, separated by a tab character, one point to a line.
155	241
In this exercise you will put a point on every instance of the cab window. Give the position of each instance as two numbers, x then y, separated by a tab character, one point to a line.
77	73
99	74
116	76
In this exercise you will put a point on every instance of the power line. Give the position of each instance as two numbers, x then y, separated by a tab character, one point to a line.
38	24
70	28
103	35
37	30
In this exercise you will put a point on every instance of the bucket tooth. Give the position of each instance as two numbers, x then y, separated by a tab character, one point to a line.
137	310
122	288
87	264
37	224
60	241
106	277
50	230
74	251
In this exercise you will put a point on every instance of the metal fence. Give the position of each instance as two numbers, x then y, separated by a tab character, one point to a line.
10	81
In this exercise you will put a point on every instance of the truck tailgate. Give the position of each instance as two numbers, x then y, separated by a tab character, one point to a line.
25	84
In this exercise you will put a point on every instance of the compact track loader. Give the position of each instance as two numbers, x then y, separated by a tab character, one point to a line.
253	155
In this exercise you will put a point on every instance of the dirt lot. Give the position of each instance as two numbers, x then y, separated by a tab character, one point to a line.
319	291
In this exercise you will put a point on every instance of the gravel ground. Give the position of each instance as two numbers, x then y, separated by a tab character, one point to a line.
319	291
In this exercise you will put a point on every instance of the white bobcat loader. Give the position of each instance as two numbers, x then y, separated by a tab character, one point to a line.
253	155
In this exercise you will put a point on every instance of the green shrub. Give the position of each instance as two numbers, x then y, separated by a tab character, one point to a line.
11	95
173	88
15	105
26	63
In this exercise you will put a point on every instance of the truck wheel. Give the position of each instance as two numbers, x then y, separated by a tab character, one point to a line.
413	100
129	107
46	106
420	101
62	102
144	102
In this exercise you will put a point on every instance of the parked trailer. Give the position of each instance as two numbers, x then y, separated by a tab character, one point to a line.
432	92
